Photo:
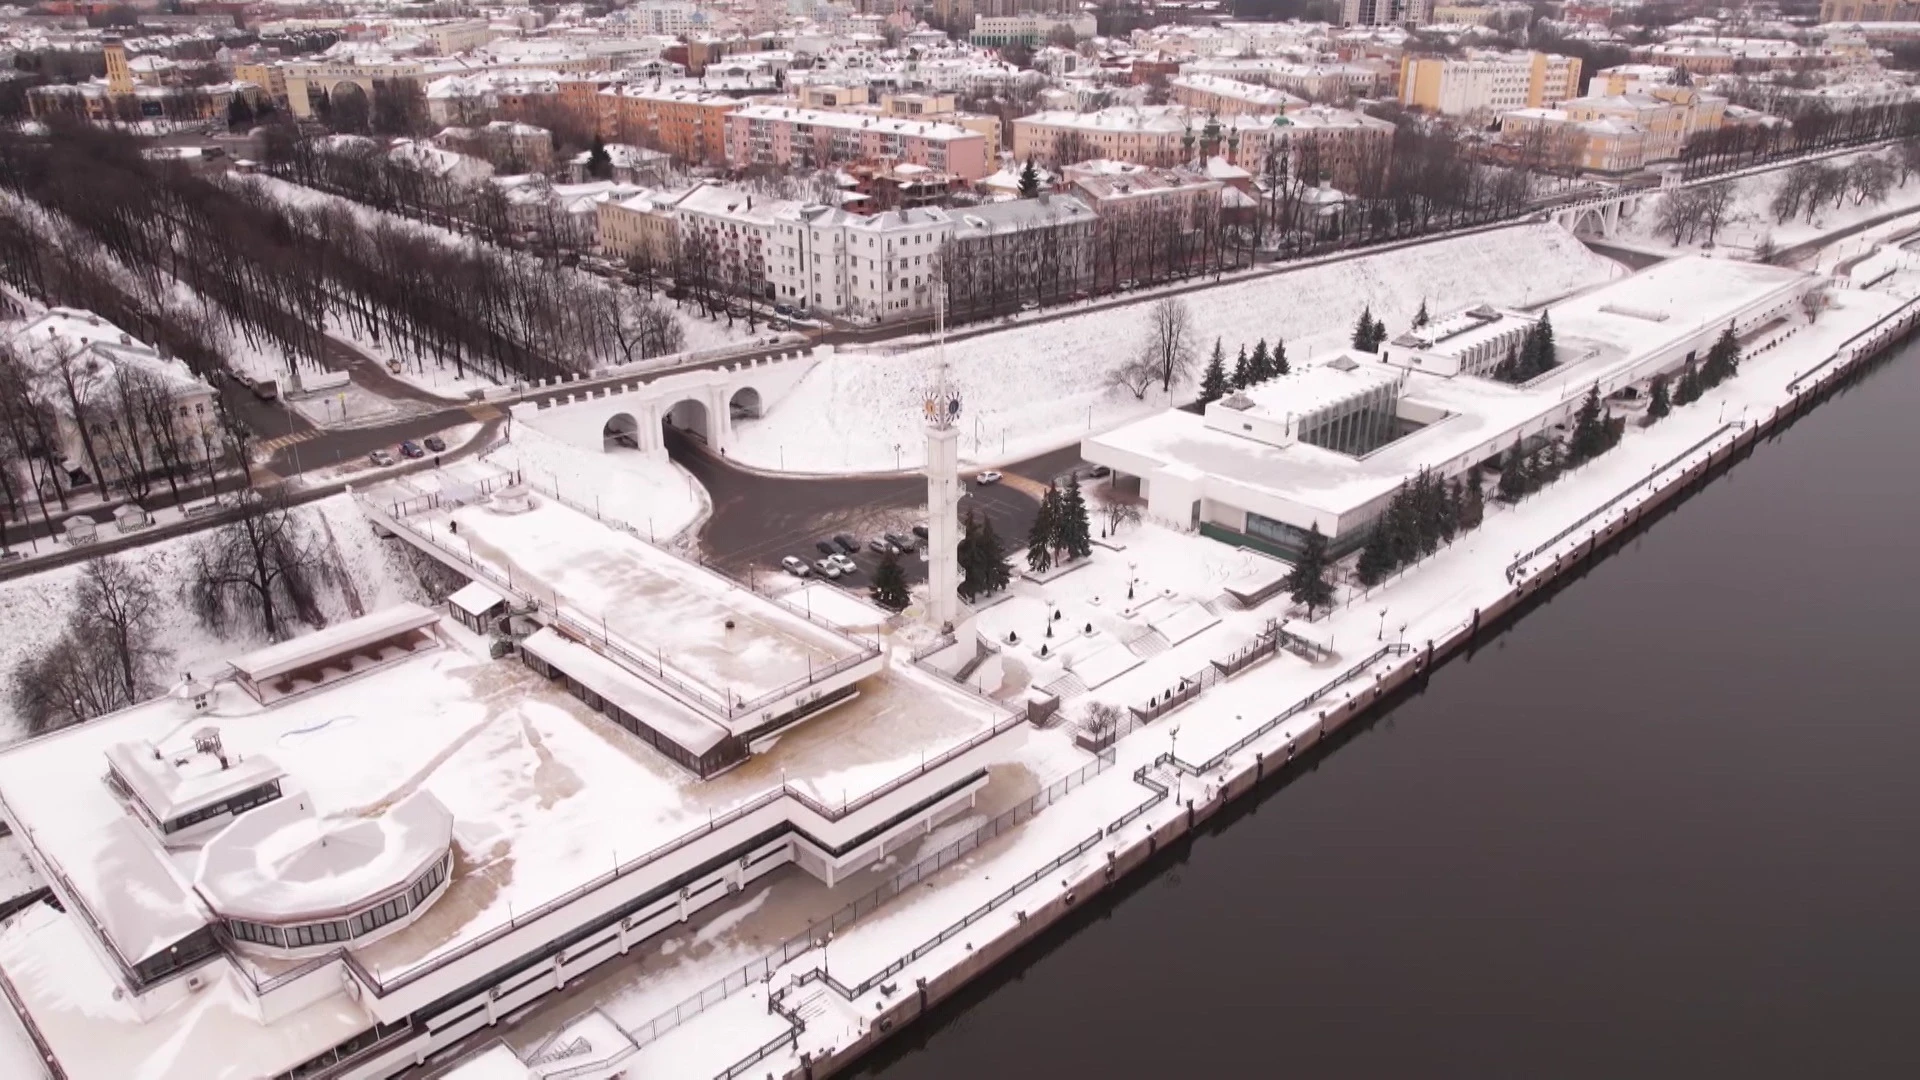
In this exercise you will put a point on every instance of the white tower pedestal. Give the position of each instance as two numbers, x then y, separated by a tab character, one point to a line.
943	523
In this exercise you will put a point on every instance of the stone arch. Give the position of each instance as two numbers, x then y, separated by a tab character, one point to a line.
621	431
746	404
689	416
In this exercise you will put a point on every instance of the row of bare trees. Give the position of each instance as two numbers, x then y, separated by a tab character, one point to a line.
277	273
1811	127
258	574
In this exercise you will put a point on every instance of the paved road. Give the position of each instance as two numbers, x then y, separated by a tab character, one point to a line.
757	518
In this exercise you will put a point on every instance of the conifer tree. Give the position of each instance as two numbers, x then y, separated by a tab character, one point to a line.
1421	318
1073	535
1513	474
1259	364
1473	505
1040	537
1689	390
1548	356
889	588
969	557
1030	181
995	572
1589	437
1279	361
1659	399
1307	582
1376	559
1723	359
1213	383
1363	331
1242	369
599	162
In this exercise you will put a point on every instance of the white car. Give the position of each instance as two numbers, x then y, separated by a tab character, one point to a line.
988	477
795	566
827	568
844	565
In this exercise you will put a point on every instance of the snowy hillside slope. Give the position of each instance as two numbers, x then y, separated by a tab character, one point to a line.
35	608
1033	388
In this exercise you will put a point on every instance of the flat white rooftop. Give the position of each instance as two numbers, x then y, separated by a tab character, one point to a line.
545	795
1603	336
728	644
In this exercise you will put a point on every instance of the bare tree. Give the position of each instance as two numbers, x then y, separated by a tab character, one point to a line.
71	680
1115	510
116	602
260	570
1170	340
1137	374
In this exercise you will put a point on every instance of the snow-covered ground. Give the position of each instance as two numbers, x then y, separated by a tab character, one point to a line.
1753	219
35	608
656	495
1036	387
701	332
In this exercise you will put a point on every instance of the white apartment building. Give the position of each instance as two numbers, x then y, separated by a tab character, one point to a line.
884	266
670	18
1386	12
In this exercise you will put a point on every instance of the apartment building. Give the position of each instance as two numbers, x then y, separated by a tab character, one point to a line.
1212	93
784	137
689	124
882	266
1386	12
1338	141
1030	29
642	227
1480	83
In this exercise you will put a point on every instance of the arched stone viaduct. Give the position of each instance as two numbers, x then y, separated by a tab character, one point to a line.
704	404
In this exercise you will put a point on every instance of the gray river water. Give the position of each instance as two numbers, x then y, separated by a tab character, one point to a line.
1668	823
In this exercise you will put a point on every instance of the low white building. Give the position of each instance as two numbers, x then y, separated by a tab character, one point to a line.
119	405
1313	449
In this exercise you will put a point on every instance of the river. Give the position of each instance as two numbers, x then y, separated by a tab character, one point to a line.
1666	824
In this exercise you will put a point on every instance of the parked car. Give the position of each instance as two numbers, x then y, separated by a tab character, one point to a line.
846	565
826	548
411	449
880	545
1099	470
782	309
1029	305
921	532
793	565
847	544
380	457
904	543
827	568
985	478
436	444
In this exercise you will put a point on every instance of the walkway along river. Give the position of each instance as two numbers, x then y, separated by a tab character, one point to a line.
1664	824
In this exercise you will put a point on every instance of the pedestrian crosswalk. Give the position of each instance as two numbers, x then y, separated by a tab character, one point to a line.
280	442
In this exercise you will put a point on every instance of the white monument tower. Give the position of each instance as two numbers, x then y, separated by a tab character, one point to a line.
942	408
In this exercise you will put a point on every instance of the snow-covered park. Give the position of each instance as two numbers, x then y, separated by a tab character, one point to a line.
1036	387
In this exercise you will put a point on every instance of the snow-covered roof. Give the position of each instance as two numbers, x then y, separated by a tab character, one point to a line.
623	688
283	864
335	640
175	779
476	598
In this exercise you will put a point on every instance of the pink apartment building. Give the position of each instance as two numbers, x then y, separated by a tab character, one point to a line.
784	136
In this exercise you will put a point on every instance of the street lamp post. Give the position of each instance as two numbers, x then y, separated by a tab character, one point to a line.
1381	633
1173	756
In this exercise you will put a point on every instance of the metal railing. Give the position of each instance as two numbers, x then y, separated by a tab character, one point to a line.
1520	561
800	944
